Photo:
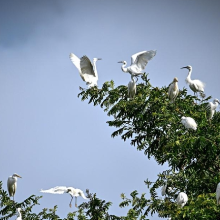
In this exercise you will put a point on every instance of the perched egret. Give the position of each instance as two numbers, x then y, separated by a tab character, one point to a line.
182	199
87	70
218	194
63	189
173	90
163	190
189	123
211	107
138	62
195	85
19	217
132	87
12	184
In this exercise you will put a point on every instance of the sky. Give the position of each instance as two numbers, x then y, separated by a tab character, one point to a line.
47	134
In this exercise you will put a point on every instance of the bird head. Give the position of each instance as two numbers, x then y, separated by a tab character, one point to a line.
183	118
175	79
187	67
16	175
124	62
216	100
96	59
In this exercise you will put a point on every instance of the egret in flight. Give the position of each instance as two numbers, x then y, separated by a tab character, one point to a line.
87	70
12	184
173	90
19	217
189	123
182	199
63	189
132	87
195	85
211	107
218	194
138	62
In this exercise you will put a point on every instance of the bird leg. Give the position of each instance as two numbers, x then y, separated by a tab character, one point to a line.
71	201
76	202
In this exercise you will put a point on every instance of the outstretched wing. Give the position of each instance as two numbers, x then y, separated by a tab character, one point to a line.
86	66
75	60
56	190
141	59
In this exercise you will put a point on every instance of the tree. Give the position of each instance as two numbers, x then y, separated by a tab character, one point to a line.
153	125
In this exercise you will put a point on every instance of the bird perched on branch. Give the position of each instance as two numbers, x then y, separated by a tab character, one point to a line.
189	123
63	189
173	90
87	70
211	108
182	199
195	85
138	62
12	184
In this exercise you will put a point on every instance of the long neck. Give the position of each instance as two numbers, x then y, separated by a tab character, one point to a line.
124	69
188	78
94	68
19	213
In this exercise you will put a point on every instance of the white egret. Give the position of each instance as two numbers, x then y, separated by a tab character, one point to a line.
138	62
195	85
12	184
19	216
173	90
132	87
87	70
211	107
189	123
218	194
182	199
63	189
163	190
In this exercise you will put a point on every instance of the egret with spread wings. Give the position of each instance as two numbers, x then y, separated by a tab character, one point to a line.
63	189
87	70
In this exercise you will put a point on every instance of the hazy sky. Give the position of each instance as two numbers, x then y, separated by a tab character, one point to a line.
51	138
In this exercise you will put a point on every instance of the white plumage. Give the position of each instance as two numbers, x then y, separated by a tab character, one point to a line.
12	184
19	217
63	189
138	62
182	199
218	194
173	90
189	123
87	70
163	190
195	85
211	107
132	88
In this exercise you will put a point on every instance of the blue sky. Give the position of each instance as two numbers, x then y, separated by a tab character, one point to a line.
51	138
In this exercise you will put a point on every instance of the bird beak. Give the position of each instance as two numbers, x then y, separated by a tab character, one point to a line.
184	67
18	176
120	62
99	58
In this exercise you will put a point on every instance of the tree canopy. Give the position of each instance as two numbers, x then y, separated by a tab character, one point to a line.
152	124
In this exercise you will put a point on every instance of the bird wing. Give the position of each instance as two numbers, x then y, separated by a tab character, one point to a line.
86	66
75	60
197	85
11	185
56	190
141	59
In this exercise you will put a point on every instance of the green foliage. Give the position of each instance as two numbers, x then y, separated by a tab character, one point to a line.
153	125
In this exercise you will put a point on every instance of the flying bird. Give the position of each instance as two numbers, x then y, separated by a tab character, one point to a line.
87	70
211	107
63	189
218	194
138	62
195	85
182	199
132	87
19	217
12	184
189	123
173	90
